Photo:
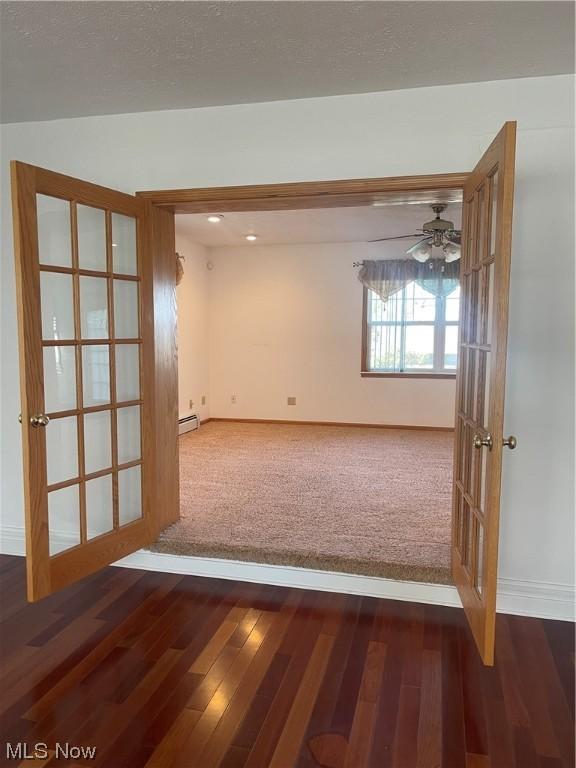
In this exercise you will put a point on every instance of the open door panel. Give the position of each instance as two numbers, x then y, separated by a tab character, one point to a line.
87	310
485	276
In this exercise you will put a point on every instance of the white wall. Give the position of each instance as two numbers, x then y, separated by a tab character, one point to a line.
286	320
193	354
379	134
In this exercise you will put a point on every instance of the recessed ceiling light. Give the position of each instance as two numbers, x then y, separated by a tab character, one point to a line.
215	218
251	238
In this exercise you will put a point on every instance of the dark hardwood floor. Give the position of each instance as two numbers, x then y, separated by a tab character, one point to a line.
163	670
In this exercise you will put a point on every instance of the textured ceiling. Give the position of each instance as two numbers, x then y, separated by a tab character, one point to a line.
66	59
326	225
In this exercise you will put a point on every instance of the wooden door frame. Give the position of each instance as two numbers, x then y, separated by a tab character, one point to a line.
297	195
308	195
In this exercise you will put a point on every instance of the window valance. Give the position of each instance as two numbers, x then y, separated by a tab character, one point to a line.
388	276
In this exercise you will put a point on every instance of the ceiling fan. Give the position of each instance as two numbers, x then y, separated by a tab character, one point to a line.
439	233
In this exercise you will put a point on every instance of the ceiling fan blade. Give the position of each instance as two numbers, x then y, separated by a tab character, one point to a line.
424	240
398	237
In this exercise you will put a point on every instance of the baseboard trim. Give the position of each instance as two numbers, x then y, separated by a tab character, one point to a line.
332	424
544	600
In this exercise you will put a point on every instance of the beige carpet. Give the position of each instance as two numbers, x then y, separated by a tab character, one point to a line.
369	501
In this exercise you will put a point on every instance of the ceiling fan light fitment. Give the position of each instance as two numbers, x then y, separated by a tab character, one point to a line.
452	252
421	251
438	233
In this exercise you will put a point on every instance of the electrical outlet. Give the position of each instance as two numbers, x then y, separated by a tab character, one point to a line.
203	399
233	399
291	401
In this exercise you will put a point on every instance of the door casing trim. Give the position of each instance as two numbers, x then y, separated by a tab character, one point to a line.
335	193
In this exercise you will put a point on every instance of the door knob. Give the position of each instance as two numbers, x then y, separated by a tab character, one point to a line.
39	420
478	442
510	442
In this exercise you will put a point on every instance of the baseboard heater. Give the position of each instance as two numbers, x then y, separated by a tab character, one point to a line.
188	423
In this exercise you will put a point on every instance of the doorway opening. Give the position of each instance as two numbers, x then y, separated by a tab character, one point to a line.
322	413
484	275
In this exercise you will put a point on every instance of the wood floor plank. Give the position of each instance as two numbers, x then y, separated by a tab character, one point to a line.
406	737
211	652
297	644
477	761
534	684
475	737
344	710
174	740
387	713
186	672
453	735
293	732
321	719
429	741
516	711
118	716
243	696
255	716
94	656
362	733
260	647
500	733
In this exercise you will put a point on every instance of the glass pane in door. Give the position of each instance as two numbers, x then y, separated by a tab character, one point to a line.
97	441
62	449
481	223
96	374
91	238
59	378
126	325
479	575
128	420
99	516
94	307
486	399
54	233
490	301
63	519
130	496
494	213
127	372
57	306
465	525
124	259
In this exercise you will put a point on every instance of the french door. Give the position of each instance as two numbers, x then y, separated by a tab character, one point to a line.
96	299
485	275
86	301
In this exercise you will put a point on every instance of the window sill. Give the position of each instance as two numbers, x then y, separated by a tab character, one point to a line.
384	375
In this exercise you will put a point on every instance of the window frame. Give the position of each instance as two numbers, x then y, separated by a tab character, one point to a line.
439	324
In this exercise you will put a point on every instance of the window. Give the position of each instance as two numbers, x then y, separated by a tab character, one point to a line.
413	332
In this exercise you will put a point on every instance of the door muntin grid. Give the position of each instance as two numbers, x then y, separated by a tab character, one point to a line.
78	307
473	396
